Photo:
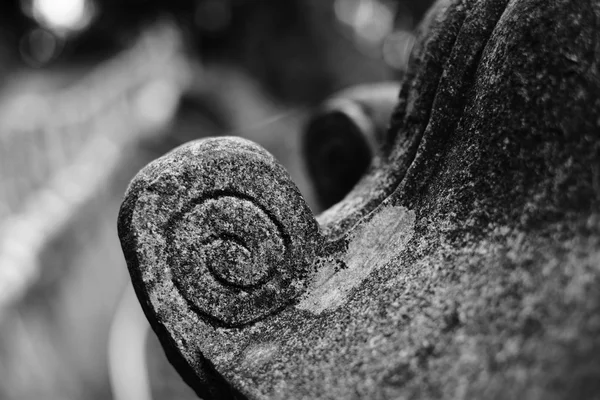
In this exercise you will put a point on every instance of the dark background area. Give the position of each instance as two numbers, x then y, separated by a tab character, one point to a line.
91	91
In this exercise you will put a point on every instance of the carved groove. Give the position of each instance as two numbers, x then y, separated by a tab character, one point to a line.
205	289
238	236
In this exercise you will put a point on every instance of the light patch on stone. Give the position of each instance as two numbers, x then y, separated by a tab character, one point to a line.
371	246
258	355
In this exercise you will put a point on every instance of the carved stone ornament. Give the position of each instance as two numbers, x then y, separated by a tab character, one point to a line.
465	263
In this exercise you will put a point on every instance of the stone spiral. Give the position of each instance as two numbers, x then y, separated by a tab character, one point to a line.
220	223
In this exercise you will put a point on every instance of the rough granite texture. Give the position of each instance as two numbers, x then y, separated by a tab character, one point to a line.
464	264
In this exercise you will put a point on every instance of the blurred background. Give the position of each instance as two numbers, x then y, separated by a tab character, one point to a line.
90	92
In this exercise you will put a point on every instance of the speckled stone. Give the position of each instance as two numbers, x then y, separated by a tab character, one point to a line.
464	264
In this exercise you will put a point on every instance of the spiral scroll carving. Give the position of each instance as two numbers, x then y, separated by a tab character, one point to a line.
220	221
234	247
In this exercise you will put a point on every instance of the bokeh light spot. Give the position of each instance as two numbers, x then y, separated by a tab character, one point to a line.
63	15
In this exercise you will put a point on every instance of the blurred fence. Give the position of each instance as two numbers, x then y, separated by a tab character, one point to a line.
59	148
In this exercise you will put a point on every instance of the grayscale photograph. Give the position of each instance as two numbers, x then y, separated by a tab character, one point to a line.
300	199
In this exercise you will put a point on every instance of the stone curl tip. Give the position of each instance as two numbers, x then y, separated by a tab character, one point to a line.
219	224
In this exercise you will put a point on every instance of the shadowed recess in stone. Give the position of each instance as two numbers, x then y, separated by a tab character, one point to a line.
343	135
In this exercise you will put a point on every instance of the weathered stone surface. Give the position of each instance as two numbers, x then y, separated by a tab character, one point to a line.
220	222
464	264
216	232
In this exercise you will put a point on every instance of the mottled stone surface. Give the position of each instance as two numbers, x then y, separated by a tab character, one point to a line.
215	233
465	263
